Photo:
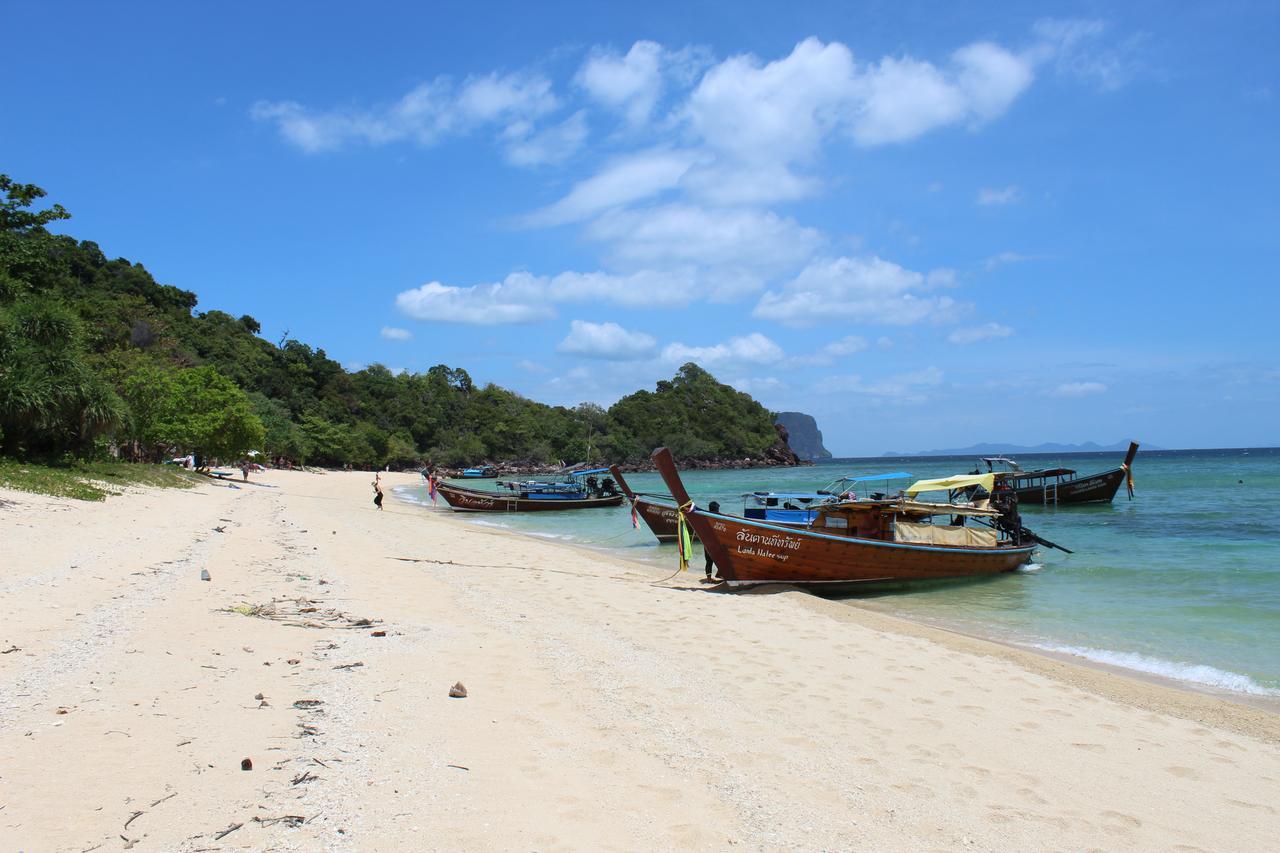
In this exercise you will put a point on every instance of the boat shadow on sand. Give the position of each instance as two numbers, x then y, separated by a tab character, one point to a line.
868	589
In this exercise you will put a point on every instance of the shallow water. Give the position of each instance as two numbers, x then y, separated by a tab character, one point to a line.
1181	582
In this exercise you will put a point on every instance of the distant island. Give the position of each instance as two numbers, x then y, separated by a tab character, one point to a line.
803	435
995	448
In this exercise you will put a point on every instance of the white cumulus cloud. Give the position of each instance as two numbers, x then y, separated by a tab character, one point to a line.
607	341
870	290
630	84
481	305
754	348
522	297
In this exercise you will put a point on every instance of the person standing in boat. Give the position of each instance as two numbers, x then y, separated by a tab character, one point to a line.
714	506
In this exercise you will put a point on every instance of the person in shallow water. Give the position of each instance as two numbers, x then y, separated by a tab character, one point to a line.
714	506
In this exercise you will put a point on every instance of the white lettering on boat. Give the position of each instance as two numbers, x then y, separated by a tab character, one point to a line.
771	541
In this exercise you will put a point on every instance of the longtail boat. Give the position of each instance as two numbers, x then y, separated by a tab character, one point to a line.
864	542
481	472
660	515
577	490
1057	486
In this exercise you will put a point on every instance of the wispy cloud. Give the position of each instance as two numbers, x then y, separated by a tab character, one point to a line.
1078	389
425	115
996	196
976	334
391	333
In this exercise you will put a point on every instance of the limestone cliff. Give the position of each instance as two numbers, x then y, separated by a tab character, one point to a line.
803	435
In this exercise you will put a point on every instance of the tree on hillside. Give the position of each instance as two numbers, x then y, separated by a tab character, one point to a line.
50	399
196	410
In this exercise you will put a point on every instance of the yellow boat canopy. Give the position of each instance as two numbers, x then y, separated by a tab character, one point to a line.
962	481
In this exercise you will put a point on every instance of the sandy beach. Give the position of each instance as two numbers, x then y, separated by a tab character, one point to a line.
606	708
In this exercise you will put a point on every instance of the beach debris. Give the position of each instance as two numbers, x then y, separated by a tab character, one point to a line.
378	634
128	842
230	829
308	704
349	665
300	612
132	818
291	820
204	575
304	777
458	766
63	710
220	529
307	730
258	696
10	650
246	764
458	691
293	661
162	799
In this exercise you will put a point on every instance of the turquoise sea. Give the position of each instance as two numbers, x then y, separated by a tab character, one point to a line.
1182	582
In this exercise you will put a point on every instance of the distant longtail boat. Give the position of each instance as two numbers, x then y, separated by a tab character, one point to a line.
1057	486
577	490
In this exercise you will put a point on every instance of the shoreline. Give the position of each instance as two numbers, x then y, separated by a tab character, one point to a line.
1185	699
606	709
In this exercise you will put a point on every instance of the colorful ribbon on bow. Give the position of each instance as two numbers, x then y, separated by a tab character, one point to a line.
682	536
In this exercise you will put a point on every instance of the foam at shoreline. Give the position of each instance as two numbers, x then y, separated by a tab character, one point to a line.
1202	674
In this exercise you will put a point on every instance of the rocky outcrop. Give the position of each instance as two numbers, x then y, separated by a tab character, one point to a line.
805	437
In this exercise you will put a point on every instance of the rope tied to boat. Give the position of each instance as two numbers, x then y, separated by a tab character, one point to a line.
682	535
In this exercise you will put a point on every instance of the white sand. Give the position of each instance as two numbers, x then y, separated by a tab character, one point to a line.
604	712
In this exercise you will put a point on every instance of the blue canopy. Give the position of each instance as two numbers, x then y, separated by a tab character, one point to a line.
801	495
871	478
597	471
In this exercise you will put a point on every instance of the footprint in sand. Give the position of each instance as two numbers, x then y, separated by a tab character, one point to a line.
1182	772
1120	820
1090	747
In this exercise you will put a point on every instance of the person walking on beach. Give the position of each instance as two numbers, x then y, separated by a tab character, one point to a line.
714	506
377	489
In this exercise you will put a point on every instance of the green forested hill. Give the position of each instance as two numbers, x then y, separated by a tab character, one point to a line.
97	357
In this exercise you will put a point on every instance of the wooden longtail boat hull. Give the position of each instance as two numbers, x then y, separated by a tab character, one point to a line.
753	552
476	500
660	517
1099	488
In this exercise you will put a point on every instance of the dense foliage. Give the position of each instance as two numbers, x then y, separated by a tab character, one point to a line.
97	357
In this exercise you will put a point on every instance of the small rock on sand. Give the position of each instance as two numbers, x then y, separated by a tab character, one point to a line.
458	691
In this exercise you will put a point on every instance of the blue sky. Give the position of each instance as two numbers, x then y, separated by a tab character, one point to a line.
926	224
